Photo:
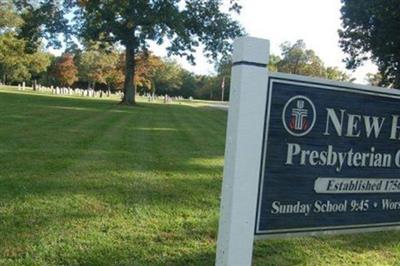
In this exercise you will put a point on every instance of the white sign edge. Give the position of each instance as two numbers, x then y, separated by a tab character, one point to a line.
243	149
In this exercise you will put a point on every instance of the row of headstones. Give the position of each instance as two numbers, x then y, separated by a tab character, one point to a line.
39	87
78	92
71	91
92	93
166	98
21	86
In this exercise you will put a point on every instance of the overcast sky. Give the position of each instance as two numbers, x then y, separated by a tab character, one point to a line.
314	21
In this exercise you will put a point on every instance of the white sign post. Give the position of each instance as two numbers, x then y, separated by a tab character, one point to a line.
243	152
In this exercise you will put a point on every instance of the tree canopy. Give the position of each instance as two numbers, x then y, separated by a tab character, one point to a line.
371	31
297	59
15	64
186	24
64	70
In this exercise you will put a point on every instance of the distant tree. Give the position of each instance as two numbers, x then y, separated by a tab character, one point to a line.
64	70
273	62
37	64
147	67
208	87
9	19
336	74
187	24
374	79
114	73
296	59
13	62
371	31
93	66
189	84
167	77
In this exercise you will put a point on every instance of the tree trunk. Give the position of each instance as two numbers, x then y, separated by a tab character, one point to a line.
34	85
129	86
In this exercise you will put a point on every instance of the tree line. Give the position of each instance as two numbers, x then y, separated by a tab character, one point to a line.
99	68
26	27
130	25
115	36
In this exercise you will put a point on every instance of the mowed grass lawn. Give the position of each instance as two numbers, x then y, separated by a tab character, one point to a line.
89	182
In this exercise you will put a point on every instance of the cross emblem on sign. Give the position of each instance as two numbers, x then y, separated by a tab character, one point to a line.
299	114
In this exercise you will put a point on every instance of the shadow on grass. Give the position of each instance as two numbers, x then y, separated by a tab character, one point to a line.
157	166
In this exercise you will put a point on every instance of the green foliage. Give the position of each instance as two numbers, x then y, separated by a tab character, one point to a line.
375	79
96	66
9	19
273	62
42	19
296	59
208	87
189	84
38	63
335	74
114	75
371	31
167	78
186	24
13	63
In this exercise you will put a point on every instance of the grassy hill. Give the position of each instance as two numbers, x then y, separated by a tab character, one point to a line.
85	181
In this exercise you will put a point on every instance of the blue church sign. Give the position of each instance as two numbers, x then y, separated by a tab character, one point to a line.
331	158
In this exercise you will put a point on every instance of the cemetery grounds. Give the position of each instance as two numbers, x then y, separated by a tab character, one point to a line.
87	181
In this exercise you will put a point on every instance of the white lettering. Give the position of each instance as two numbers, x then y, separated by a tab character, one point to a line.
376	126
352	126
393	133
331	116
293	149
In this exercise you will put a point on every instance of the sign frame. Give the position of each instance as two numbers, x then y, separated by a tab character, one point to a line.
244	151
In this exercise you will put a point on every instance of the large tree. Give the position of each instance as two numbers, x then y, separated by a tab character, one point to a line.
133	23
371	30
